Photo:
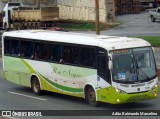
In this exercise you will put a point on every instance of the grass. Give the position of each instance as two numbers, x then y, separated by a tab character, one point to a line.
82	26
153	40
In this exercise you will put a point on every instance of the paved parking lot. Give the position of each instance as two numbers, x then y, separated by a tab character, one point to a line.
135	25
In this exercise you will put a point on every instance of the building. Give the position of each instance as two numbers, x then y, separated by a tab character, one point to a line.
84	10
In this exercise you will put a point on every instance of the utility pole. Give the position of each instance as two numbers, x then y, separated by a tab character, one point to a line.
38	3
97	17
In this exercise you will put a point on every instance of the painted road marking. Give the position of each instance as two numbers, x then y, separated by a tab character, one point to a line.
7	117
42	99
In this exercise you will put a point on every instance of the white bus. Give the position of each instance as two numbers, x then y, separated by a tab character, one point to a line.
97	68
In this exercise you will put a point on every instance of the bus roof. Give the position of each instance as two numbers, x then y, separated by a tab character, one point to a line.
107	42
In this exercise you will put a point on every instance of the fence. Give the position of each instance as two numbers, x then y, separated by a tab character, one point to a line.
127	7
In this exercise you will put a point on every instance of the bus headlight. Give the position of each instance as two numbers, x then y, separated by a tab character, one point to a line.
155	86
119	91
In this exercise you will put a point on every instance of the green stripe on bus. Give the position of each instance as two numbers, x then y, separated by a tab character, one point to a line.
65	88
29	67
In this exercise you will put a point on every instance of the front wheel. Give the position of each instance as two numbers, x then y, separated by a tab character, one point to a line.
153	19
91	97
35	85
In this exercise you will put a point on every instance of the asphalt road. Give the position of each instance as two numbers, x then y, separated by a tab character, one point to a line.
133	25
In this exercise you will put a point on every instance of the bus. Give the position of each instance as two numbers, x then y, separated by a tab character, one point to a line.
98	68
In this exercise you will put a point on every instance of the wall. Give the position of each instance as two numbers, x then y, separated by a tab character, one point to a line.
85	10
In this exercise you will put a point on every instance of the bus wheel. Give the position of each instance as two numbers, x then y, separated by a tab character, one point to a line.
35	85
91	97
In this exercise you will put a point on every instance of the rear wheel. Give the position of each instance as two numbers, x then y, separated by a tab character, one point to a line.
35	85
91	97
5	27
153	19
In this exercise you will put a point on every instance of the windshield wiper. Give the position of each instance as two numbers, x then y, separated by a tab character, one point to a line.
139	68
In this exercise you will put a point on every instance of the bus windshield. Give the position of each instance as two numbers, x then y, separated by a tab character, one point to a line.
131	65
14	4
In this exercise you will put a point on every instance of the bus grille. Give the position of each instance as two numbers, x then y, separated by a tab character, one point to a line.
138	98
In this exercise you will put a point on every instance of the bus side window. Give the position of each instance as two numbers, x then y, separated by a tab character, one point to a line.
87	56
55	52
40	51
15	48
26	49
7	46
70	54
103	70
102	66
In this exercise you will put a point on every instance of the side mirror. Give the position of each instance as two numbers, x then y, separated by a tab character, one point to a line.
109	62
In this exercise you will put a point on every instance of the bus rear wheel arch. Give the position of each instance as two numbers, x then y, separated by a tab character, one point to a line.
35	85
90	95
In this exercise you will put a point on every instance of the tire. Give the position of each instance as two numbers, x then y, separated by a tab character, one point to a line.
91	97
153	19
5	27
35	85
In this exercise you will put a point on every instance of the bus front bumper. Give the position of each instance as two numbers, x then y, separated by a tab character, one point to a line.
110	95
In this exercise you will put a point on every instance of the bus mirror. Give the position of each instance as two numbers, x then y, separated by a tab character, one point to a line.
109	63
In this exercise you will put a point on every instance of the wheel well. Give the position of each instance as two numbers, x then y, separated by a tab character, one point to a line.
85	90
32	77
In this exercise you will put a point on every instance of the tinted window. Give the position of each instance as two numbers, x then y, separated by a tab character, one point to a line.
15	48
6	46
102	66
40	51
55	52
26	49
70	54
14	4
87	56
